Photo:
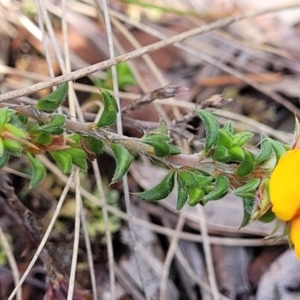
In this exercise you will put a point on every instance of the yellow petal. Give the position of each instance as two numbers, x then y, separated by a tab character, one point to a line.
285	186
295	234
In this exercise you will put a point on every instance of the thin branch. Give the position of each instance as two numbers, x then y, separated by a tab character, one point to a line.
139	52
196	160
165	92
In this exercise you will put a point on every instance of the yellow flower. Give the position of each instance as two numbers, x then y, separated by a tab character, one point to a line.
285	193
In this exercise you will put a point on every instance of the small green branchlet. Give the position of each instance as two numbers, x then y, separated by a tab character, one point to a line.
236	168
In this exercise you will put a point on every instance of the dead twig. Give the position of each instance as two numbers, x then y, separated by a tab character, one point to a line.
165	92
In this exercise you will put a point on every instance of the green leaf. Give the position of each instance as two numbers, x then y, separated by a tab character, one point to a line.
64	160
249	187
54	100
23	119
161	190
76	153
156	137
38	171
247	166
160	143
16	131
195	195
182	196
211	129
202	181
248	206
3	117
1	147
241	138
193	179
219	190
13	147
220	153
123	161
237	154
224	139
174	150
278	148
93	147
43	138
268	217
79	158
109	114
266	150
56	125
228	126
186	178
4	159
125	77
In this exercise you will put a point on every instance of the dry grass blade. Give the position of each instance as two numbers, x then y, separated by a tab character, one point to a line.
208	254
170	255
78	203
12	262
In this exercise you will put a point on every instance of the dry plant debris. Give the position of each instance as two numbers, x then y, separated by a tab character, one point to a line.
172	58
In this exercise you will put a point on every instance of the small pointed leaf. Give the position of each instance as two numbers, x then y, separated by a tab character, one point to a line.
249	187
182	196
93	147
211	129
241	138
64	160
225	139
268	217
228	126
43	138
13	147
266	150
248	206
123	161
4	159
220	153
236	153
161	190
38	171
278	148
219	190
56	125
195	195
3	117
79	157
247	166
54	100
174	150
109	114
1	147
